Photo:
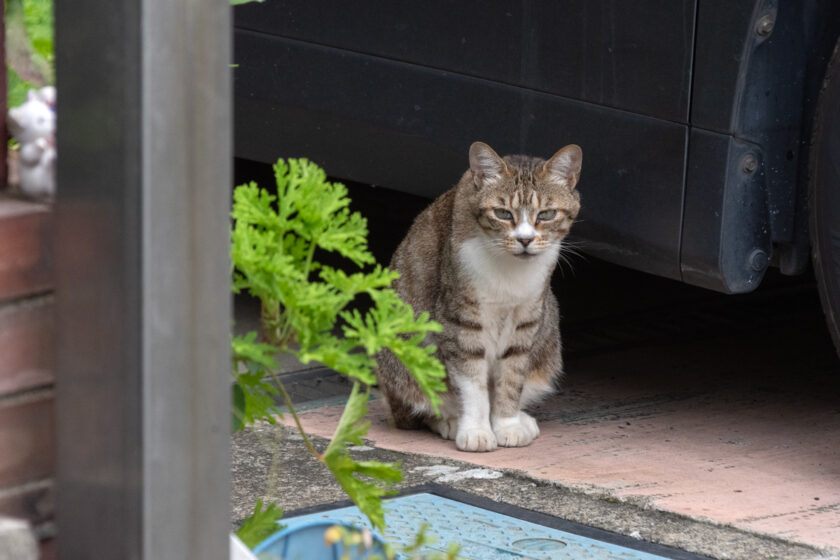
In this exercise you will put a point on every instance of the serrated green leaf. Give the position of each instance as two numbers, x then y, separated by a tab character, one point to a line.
257	401
365	494
253	205
253	397
360	282
392	324
320	210
246	347
261	524
340	355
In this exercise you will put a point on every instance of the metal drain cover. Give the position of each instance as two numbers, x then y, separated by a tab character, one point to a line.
482	534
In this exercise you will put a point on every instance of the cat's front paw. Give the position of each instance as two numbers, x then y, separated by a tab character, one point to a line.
446	427
475	439
517	431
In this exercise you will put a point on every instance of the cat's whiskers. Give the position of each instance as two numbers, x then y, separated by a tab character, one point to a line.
569	249
572	248
575	248
493	244
564	260
503	247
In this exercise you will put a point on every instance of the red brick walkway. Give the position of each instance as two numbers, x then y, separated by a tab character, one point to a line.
739	431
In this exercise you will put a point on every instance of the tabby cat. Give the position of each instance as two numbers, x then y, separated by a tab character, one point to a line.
479	259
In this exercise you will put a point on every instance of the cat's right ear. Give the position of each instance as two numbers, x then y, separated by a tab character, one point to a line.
486	165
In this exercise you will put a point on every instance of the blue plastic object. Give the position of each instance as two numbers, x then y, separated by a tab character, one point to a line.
303	539
481	533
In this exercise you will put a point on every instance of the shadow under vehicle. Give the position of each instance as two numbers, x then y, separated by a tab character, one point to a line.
710	128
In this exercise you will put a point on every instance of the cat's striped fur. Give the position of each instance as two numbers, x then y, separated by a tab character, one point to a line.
480	259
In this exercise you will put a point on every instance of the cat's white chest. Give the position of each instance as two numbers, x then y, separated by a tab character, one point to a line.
500	278
506	288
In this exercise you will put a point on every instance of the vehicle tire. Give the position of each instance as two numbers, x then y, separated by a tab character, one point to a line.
824	196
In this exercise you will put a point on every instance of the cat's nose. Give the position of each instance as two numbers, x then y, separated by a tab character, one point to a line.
525	241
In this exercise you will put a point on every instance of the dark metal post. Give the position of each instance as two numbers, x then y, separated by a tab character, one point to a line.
144	177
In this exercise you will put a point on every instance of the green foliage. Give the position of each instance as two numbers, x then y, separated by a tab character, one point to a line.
252	400
366	495
16	88
29	41
252	395
38	20
385	325
260	524
273	254
247	349
274	241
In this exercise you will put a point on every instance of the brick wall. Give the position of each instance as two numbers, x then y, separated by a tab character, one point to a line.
27	431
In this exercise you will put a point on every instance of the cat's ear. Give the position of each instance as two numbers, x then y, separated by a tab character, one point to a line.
486	165
564	166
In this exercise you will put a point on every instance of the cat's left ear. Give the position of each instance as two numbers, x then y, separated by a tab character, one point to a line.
564	166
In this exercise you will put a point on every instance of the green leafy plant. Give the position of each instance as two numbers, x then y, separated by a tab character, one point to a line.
260	525
252	395
29	47
306	312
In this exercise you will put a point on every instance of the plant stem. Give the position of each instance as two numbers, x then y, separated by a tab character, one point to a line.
270	318
309	259
272	440
286	329
285	332
291	408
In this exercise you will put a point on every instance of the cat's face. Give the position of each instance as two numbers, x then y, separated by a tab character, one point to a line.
525	206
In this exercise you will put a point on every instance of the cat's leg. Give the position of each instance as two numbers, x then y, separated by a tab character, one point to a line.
512	426
514	391
518	430
446	424
473	431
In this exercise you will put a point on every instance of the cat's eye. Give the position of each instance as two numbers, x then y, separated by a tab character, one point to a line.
503	214
547	215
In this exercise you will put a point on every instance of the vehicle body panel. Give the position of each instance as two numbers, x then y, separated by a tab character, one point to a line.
670	101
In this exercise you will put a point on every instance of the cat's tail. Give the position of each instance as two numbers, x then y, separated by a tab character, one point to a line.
402	394
403	415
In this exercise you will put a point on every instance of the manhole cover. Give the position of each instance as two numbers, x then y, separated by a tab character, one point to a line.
490	535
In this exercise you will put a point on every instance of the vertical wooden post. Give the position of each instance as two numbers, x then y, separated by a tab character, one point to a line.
143	278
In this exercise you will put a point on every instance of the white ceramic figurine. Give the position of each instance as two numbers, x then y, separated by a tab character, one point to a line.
33	125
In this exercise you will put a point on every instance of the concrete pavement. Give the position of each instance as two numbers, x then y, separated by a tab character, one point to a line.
724	447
